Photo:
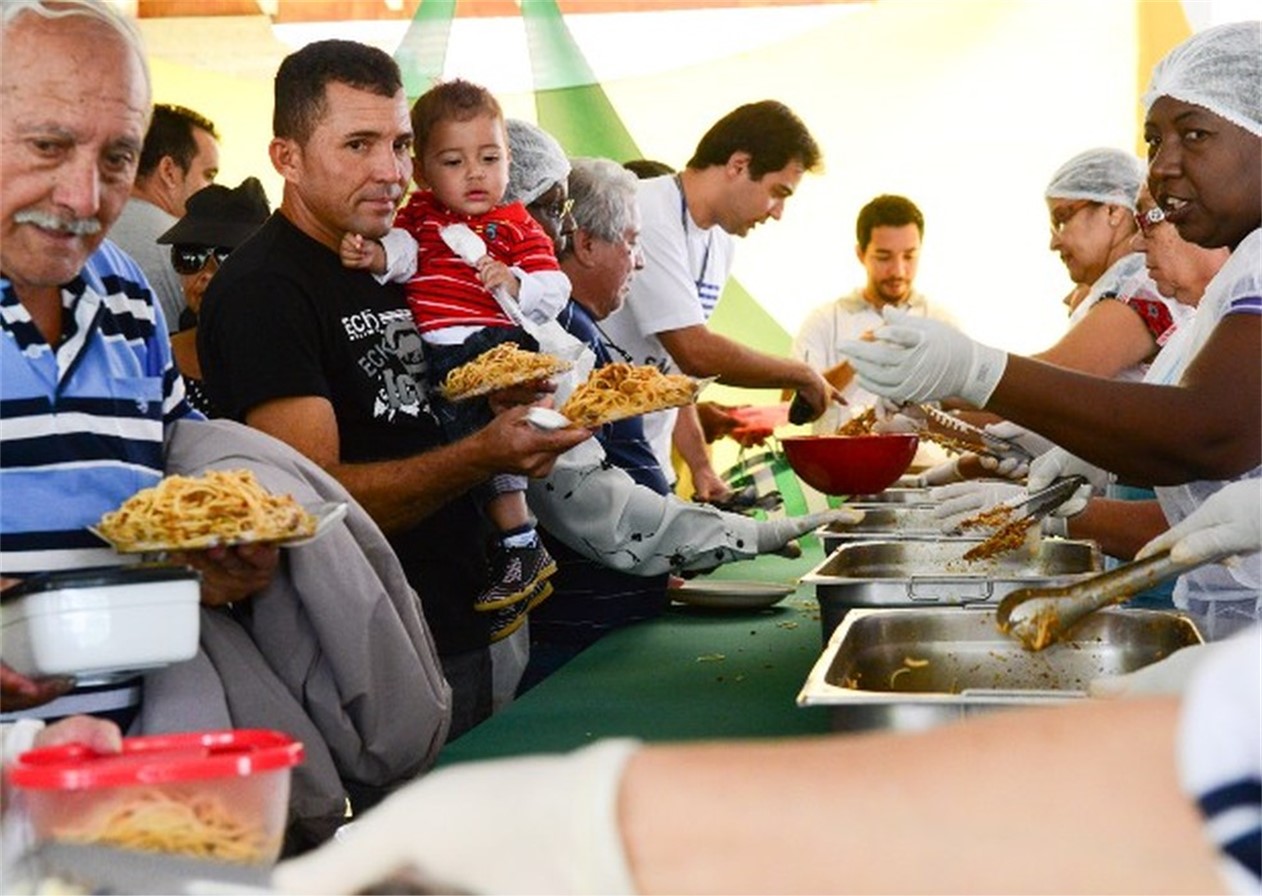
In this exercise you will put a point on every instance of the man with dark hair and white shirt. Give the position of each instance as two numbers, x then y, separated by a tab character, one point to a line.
742	173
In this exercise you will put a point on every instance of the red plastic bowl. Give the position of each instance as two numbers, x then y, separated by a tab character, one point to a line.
850	465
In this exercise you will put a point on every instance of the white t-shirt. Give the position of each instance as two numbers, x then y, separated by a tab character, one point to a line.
848	317
1218	587
685	269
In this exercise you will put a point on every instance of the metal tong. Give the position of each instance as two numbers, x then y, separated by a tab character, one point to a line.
989	444
1030	508
1038	617
1034	506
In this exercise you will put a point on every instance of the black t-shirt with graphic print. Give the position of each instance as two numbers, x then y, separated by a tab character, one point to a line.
284	318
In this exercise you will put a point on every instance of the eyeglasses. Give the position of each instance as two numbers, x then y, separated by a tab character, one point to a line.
1063	215
189	260
557	211
1148	220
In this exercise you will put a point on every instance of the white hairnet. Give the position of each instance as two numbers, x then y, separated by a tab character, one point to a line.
1106	175
1219	69
537	162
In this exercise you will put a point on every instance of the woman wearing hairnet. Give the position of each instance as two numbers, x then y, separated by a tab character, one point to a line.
1118	319
1195	425
537	172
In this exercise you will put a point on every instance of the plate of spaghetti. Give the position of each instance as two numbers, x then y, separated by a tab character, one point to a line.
222	507
617	391
501	367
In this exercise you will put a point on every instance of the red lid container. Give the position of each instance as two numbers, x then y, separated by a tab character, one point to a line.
157	759
213	795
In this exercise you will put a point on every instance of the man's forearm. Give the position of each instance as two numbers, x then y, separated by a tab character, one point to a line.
400	493
689	439
699	352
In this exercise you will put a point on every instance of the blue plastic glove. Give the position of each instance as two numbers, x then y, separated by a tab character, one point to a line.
918	359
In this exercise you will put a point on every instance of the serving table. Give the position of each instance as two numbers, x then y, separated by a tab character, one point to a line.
691	674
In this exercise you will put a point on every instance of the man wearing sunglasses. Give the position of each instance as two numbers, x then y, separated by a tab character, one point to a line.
218	220
180	156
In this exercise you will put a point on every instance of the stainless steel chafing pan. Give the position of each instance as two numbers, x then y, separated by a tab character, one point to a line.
883	522
913	668
892	496
910	572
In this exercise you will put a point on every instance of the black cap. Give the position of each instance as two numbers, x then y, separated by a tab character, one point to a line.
218	216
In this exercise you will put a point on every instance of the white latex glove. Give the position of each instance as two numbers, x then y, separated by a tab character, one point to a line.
1059	463
898	423
961	500
535	824
774	534
1166	676
1007	468
1228	522
919	359
947	471
1026	438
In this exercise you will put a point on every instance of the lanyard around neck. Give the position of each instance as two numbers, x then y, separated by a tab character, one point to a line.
705	256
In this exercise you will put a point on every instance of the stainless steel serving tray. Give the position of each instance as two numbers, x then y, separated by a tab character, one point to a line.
892	496
914	668
908	572
883	522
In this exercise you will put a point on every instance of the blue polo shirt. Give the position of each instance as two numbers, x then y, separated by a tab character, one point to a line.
81	424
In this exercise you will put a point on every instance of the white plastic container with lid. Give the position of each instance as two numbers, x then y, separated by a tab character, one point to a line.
99	625
220	796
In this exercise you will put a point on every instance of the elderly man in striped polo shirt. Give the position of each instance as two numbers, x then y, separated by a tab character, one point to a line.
87	385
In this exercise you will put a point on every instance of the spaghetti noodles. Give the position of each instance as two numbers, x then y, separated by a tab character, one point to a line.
617	391
498	368
190	824
861	424
1008	537
222	507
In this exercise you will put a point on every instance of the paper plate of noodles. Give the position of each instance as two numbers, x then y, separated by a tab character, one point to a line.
222	507
501	367
618	391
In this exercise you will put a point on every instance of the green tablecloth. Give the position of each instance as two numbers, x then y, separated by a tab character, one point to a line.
691	674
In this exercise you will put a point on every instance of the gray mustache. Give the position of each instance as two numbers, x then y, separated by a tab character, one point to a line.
75	226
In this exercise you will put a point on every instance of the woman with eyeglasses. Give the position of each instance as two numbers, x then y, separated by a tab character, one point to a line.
218	220
1180	269
1118	319
537	178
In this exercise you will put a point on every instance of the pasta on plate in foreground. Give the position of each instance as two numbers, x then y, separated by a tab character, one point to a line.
193	512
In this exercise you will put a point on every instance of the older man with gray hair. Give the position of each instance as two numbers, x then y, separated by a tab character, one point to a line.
606	510
83	342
